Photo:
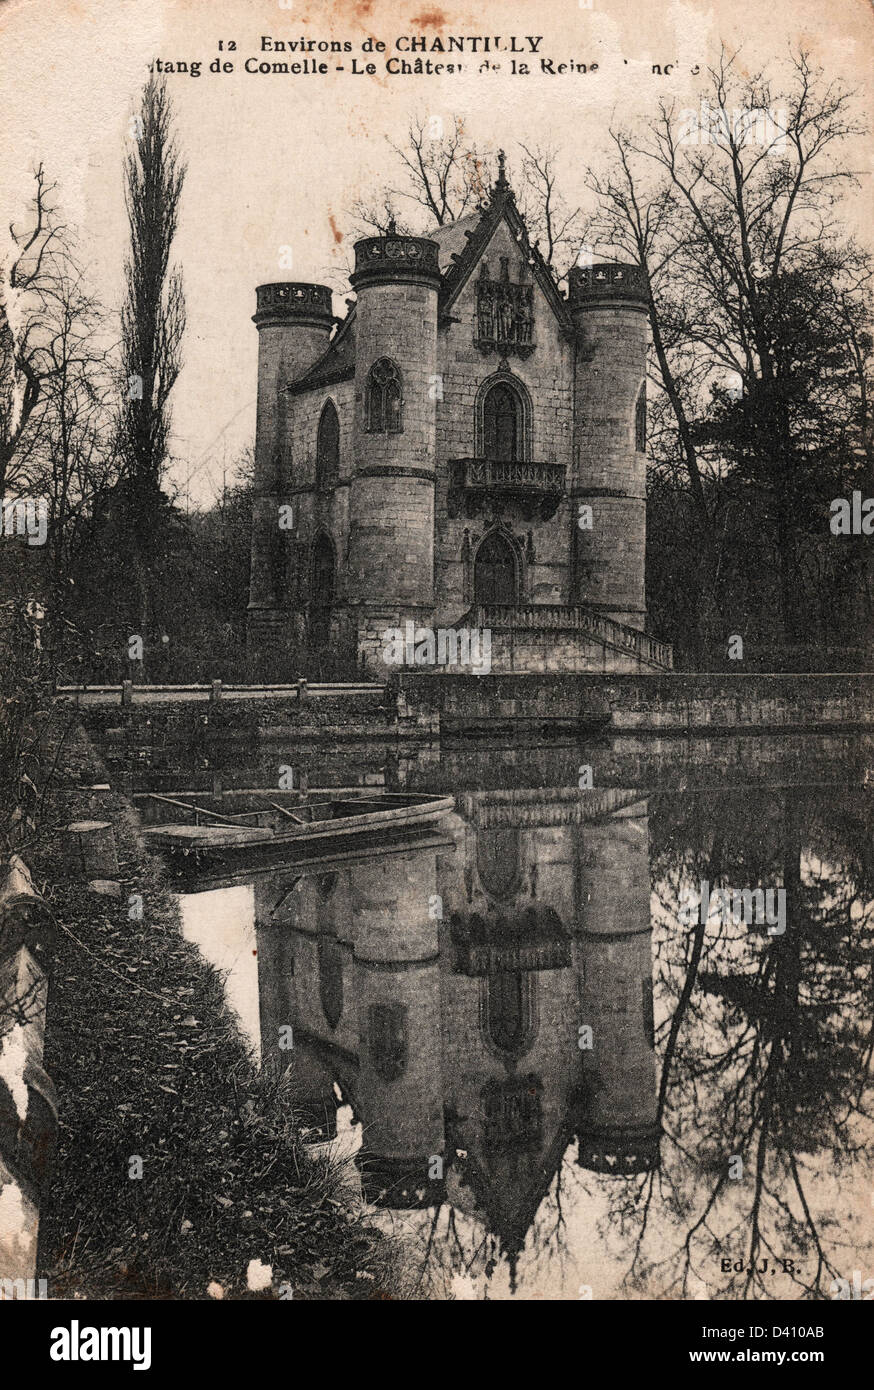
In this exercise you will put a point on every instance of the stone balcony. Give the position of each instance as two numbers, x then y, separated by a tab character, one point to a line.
537	488
516	940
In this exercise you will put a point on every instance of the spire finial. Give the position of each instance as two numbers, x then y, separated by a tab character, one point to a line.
502	175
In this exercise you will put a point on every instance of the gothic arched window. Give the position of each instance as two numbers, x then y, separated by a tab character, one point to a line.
330	955
384	398
502	423
499	860
387	1039
328	448
640	421
509	1012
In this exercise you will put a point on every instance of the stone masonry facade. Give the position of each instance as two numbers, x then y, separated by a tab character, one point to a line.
465	450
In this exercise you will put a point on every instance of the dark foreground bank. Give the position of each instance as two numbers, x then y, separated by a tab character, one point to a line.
181	1171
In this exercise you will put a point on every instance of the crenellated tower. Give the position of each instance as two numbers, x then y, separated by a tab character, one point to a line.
609	307
294	323
391	513
466	451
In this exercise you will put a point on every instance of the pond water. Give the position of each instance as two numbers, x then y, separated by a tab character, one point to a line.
560	1077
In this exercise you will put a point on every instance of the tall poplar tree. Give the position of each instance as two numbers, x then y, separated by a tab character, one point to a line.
153	324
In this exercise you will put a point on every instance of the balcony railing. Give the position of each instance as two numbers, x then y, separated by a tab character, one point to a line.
612	280
289	298
536	487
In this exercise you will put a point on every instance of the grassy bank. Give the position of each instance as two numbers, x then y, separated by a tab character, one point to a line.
148	1063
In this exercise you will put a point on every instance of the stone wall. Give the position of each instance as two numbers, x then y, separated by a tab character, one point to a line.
659	702
340	741
316	512
350	740
562	649
302	425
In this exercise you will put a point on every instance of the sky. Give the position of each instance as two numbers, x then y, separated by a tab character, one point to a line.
276	161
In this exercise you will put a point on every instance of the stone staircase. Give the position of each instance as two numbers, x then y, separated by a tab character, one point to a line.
553	636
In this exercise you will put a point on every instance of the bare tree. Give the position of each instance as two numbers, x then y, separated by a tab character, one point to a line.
444	176
732	211
760	195
73	461
638	215
31	281
557	229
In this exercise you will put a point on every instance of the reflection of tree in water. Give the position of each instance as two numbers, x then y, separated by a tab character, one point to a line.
766	1044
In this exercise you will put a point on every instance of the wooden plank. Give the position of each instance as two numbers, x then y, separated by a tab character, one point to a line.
226	818
290	814
207	836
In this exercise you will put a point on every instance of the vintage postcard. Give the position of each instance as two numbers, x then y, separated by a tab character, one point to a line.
437	721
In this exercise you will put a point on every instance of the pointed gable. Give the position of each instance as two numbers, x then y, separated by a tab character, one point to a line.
464	243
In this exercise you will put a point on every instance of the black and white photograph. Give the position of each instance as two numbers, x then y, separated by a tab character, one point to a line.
437	668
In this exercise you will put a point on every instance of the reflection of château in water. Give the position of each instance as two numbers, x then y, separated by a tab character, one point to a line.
457	1038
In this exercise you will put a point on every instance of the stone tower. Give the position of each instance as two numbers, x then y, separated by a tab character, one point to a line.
609	308
294	323
399	1087
391	511
617	1104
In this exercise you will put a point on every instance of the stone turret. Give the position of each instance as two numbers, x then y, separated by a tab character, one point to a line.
391	535
294	323
609	308
399	1089
616	1113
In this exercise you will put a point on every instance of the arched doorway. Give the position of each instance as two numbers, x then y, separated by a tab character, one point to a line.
508	1010
494	572
321	592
